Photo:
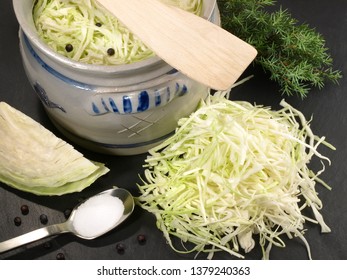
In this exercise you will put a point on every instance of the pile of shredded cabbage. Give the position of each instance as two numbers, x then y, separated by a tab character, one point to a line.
91	31
232	173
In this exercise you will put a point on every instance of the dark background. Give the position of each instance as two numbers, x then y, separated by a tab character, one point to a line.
327	106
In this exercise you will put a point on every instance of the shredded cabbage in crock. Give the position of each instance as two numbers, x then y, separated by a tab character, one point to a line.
84	31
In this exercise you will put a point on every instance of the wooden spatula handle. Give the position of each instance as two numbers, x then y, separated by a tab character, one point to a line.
198	48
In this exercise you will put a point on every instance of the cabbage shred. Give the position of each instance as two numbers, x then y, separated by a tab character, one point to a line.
231	172
96	36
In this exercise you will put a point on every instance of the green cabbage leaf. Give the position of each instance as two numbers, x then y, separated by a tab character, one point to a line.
33	159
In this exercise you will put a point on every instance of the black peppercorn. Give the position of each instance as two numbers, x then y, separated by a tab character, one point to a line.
60	256
69	48
17	221
24	209
98	24
111	51
120	247
43	219
141	239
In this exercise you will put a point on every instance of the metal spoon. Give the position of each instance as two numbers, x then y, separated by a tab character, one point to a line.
122	194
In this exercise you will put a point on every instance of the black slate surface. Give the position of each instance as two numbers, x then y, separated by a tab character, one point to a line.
327	106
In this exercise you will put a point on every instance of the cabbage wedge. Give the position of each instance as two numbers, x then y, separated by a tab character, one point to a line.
33	159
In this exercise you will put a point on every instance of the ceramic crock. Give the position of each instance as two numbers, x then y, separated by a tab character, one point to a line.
119	110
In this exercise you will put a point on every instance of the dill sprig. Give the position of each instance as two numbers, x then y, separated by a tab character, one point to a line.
293	54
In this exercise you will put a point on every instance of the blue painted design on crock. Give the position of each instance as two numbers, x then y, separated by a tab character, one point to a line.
104	105
143	101
168	94
54	72
127	106
136	102
44	98
172	71
181	89
157	98
113	106
184	89
95	109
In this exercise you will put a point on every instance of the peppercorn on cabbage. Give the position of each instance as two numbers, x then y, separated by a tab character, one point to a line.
84	31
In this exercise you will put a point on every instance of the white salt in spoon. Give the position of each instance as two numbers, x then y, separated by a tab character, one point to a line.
90	219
